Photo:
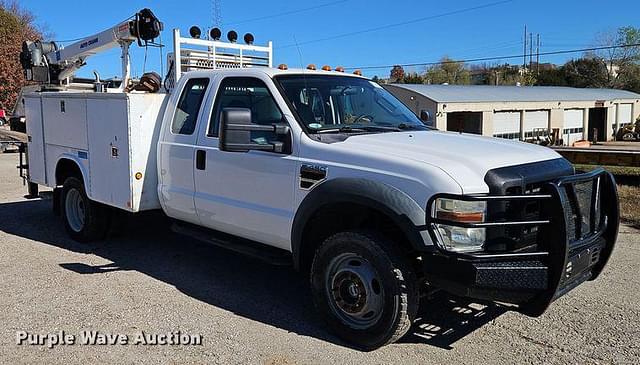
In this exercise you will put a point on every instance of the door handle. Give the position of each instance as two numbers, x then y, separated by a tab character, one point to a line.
201	159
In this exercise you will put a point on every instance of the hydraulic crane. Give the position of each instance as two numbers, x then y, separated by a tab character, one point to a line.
47	63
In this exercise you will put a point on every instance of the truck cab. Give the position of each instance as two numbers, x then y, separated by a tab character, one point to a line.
372	204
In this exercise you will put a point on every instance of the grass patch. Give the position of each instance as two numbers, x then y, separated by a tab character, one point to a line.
630	204
628	179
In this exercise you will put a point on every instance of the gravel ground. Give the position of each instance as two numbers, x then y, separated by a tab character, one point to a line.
154	281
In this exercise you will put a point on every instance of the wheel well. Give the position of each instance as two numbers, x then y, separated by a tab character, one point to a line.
67	168
345	216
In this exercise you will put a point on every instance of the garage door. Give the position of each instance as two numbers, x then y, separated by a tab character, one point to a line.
625	114
535	119
506	125
573	126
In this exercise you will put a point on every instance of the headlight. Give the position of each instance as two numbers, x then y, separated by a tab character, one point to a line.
460	239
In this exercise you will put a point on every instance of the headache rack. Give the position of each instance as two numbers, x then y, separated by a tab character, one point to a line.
194	54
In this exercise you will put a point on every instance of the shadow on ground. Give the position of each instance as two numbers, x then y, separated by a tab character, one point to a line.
273	295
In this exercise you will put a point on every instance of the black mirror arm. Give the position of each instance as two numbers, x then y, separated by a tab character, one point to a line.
277	129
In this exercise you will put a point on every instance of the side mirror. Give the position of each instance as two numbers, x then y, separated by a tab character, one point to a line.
235	132
425	116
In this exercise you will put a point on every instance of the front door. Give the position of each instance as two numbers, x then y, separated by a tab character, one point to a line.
247	194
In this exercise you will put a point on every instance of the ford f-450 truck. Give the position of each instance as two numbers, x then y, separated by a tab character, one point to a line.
329	172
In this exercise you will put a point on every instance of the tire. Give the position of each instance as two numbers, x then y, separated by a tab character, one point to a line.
350	266
84	219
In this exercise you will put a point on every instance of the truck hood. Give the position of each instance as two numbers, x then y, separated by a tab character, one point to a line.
464	157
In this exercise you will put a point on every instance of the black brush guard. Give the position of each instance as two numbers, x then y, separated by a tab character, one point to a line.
576	232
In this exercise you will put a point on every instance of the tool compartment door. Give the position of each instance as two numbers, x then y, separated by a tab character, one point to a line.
108	139
35	139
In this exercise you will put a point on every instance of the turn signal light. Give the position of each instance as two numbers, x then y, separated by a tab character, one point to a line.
283	66
311	67
357	72
326	68
340	69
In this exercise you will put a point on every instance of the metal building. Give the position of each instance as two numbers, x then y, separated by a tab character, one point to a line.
515	112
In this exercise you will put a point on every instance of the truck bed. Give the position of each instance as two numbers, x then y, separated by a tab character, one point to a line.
111	136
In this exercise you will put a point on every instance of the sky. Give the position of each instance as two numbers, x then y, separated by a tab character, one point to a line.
352	33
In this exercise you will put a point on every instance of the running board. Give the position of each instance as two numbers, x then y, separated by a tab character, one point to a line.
262	252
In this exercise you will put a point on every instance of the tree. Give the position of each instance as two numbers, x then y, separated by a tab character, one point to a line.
586	72
448	71
397	73
619	59
412	78
16	26
551	77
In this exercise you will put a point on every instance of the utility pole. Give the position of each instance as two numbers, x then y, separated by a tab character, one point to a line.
538	55
216	13
530	50
524	53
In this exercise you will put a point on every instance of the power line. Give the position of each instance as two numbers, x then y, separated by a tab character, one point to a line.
549	53
394	25
286	13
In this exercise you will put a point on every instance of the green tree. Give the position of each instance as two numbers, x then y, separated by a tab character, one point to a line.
16	26
412	78
448	71
586	72
619	60
551	77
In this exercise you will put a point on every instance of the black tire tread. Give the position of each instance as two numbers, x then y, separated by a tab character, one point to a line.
406	278
96	220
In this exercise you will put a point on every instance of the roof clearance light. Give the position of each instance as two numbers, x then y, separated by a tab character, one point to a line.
340	69
232	36
283	66
311	67
215	34
326	68
248	38
357	72
195	32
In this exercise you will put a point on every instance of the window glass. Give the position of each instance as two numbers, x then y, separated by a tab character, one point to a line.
186	116
342	104
251	93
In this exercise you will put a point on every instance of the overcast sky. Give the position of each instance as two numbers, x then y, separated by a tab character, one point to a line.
355	32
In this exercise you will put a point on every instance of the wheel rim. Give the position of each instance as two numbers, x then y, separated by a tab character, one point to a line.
75	209
354	291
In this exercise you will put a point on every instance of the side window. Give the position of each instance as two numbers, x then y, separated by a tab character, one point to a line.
245	92
188	107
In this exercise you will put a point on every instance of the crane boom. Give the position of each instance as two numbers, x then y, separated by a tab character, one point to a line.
46	63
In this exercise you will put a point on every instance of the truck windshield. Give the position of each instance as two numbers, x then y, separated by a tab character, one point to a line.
344	104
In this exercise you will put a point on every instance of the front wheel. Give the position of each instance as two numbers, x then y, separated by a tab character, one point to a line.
364	288
84	219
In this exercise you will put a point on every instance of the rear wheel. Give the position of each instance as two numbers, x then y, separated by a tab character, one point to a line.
84	219
364	288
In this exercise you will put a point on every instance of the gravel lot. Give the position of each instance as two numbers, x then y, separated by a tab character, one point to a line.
152	280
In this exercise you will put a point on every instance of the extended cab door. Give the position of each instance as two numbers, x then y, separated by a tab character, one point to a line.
247	194
177	150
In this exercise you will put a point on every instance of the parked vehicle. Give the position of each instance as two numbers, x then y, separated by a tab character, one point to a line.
329	172
629	132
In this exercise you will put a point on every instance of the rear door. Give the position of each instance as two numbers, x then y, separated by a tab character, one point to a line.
247	194
177	150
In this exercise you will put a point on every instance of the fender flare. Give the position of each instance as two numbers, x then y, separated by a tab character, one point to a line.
390	201
75	160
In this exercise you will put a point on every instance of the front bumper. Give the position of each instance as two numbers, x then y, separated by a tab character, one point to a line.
576	230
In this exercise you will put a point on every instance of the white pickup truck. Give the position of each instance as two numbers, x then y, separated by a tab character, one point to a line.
329	172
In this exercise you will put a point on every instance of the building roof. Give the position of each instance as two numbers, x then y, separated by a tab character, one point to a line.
487	93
